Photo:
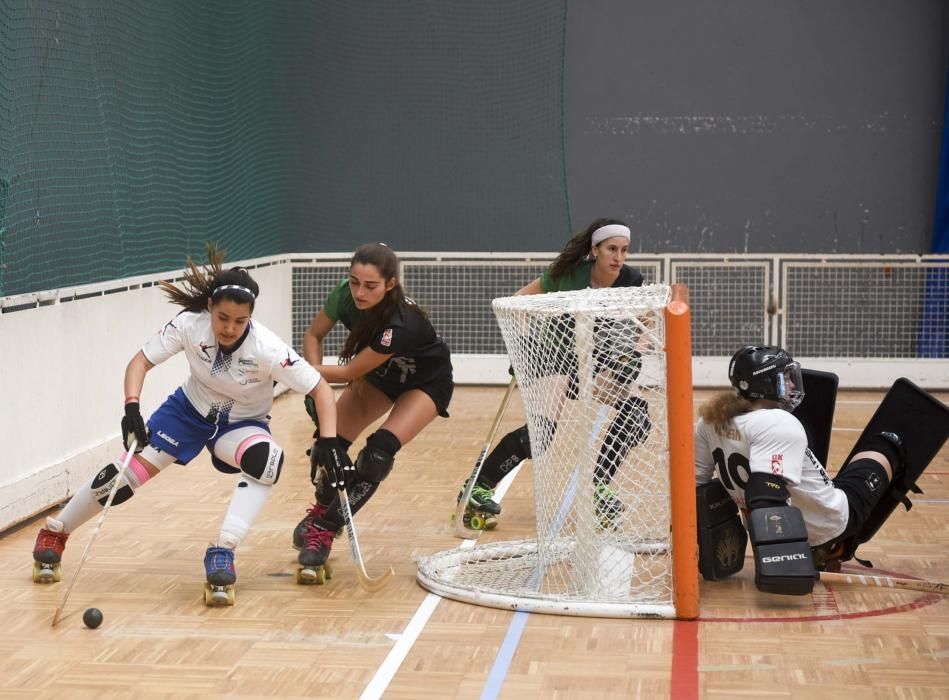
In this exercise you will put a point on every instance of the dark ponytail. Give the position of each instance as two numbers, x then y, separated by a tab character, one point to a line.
577	249
375	319
212	282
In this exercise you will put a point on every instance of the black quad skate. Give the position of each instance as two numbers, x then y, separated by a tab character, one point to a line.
318	536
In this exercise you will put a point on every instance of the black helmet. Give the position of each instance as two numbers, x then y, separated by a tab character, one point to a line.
767	372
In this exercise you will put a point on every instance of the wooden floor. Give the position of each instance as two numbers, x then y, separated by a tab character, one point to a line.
336	641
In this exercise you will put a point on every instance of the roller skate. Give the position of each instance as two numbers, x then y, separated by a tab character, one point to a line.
481	511
219	568
609	508
318	537
317	510
47	554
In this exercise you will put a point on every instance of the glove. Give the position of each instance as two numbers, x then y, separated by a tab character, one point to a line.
311	411
133	426
328	454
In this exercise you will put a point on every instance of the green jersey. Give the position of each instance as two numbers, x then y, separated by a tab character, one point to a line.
579	278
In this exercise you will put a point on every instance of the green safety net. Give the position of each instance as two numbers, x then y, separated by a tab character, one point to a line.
133	131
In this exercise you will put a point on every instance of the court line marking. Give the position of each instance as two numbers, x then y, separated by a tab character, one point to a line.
393	661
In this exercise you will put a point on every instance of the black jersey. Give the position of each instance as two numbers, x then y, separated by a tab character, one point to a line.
419	355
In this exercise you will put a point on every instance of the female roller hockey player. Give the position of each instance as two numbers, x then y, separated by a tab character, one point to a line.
593	258
760	451
393	362
223	405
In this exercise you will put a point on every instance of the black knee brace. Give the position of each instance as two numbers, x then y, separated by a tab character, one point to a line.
262	462
375	460
629	428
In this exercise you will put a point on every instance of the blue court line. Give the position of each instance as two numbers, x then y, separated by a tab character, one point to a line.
502	662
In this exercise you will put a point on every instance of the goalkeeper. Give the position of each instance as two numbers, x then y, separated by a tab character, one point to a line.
799	519
593	258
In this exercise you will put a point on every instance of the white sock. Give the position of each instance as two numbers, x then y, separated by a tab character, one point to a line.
249	497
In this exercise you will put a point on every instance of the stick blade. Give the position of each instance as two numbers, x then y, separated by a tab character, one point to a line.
374	584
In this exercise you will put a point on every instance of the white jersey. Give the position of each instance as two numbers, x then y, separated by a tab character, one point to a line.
773	441
227	387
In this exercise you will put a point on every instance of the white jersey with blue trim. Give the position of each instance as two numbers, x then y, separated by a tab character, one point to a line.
772	441
226	387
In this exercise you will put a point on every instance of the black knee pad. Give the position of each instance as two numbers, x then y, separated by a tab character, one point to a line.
548	429
375	460
262	462
102	485
632	423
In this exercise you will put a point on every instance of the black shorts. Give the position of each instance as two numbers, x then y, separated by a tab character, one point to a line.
864	481
439	390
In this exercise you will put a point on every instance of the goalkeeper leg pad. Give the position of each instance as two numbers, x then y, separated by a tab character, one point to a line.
910	427
722	537
816	411
784	563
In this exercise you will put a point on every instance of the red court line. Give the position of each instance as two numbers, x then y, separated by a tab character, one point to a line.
685	660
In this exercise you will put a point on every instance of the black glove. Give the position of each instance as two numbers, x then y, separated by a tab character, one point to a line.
133	426
311	411
327	453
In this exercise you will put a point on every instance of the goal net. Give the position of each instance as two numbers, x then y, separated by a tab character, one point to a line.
593	369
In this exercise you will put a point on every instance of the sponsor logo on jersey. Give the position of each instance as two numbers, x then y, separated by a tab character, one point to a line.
247	362
289	362
167	439
777	464
386	337
204	347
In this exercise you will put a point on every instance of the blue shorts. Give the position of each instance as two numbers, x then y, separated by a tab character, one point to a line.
178	429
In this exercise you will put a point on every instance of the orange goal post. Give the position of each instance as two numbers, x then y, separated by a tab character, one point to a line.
605	376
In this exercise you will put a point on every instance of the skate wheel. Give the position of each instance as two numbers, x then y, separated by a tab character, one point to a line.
215	596
490	522
476	522
309	577
46	573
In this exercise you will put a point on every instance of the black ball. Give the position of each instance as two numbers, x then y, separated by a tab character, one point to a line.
92	618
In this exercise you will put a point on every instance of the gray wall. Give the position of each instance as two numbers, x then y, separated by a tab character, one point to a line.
758	125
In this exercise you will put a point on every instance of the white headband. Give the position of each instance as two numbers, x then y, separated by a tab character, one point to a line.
235	287
609	231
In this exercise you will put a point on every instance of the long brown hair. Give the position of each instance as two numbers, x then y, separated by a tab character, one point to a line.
212	281
719	410
578	248
375	319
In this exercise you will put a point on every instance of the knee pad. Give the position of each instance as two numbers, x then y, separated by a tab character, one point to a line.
632	424
260	459
548	429
375	460
135	475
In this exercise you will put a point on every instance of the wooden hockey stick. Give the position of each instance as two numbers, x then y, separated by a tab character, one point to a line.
95	533
460	528
365	580
910	584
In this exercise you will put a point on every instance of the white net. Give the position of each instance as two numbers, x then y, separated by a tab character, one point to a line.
591	369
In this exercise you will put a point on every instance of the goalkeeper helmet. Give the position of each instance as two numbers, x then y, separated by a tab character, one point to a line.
767	372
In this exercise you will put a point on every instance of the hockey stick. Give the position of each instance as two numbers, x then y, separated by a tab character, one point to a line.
365	580
460	528
95	533
910	584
